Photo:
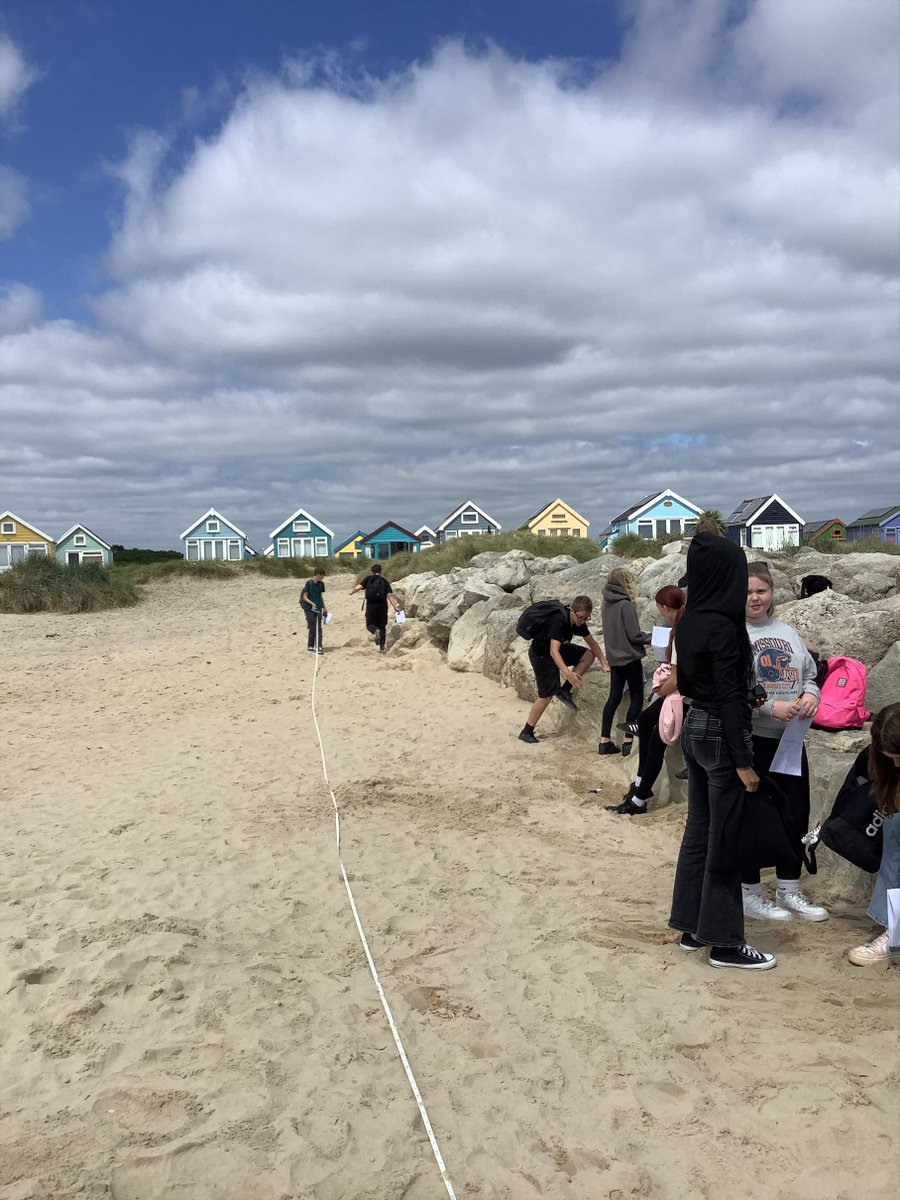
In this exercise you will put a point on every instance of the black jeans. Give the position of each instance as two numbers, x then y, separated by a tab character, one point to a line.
651	750
314	630
631	674
377	618
795	789
706	901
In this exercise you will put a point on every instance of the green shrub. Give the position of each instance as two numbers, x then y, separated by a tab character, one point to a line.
630	545
870	545
137	555
298	568
44	585
176	568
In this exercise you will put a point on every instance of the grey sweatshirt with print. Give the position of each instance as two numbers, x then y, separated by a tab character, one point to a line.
783	666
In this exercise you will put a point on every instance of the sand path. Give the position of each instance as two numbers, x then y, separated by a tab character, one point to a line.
185	1009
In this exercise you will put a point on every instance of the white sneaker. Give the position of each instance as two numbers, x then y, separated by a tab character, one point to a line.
873	952
798	904
758	907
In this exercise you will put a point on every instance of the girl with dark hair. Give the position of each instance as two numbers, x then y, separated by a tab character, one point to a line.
884	772
715	670
651	747
624	642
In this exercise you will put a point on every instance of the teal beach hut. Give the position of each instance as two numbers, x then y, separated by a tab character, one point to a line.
302	536
79	546
389	538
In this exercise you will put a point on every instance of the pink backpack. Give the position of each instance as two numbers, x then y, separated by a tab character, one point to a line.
843	696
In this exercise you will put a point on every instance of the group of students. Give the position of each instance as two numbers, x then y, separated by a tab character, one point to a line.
743	677
378	595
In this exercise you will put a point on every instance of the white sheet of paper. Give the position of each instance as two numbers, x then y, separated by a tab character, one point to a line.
659	641
400	617
790	748
893	905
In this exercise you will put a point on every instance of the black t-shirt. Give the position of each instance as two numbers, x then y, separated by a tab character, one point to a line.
376	589
558	629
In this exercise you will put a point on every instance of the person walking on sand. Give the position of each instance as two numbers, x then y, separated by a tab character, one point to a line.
715	668
551	654
624	641
312	601
379	594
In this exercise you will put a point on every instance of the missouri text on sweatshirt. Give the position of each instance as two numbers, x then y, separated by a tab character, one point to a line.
783	666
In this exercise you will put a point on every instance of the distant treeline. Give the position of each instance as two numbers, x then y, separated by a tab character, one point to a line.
136	555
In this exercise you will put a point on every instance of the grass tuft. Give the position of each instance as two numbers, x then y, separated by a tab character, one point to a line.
461	551
44	585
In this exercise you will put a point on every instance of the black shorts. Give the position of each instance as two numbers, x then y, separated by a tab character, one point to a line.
546	672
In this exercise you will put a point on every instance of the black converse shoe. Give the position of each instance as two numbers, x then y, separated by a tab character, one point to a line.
626	748
689	943
566	697
744	957
526	736
607	748
627	808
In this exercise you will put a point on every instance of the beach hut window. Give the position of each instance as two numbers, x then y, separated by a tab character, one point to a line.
645	529
469	517
193	552
576	532
451	533
234	550
301	527
284	548
212	526
690	528
79	539
92	556
9	527
321	547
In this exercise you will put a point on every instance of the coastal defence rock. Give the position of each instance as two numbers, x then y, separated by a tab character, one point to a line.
847	572
836	624
469	634
660	573
584	579
883	683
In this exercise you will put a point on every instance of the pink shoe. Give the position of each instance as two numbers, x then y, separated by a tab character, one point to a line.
873	952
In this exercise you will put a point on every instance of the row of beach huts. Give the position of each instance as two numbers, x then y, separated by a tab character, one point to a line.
764	523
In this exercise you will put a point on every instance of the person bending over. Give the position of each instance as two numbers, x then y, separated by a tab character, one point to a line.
551	655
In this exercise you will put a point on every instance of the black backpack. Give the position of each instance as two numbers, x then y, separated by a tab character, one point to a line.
376	589
811	585
852	829
534	618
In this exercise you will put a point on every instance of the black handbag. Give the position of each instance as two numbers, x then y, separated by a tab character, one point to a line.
853	828
753	832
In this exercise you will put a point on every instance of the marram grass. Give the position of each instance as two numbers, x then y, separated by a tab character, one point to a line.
45	585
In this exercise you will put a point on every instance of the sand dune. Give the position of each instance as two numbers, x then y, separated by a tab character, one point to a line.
186	1011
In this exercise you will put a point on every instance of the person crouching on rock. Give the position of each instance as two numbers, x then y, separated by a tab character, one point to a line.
552	654
378	595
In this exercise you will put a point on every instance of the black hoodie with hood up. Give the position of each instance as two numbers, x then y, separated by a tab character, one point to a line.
714	659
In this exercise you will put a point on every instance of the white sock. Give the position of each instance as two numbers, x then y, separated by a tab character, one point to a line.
637	781
787	885
752	889
638	801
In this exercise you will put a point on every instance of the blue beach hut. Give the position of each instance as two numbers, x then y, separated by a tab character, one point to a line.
302	536
79	546
389	538
213	536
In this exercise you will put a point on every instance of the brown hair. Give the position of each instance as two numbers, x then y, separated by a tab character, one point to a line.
884	775
582	604
760	570
376	568
621	577
708	525
671	597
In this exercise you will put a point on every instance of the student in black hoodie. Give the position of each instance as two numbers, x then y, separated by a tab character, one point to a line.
715	668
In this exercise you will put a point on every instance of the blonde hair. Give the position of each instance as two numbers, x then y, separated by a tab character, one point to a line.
622	577
760	570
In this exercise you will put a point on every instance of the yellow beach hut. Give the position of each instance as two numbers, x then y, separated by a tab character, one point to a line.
19	540
350	547
558	519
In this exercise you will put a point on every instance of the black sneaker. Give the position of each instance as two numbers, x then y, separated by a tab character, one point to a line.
626	748
744	957
607	748
525	736
689	943
629	727
566	697
627	808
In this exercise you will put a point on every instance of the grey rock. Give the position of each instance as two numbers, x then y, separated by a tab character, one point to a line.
476	589
661	572
442	622
500	633
870	585
883	684
836	625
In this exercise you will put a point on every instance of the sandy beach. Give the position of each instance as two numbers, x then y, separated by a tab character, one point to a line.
185	1008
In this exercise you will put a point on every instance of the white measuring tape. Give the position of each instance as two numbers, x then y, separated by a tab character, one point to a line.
365	945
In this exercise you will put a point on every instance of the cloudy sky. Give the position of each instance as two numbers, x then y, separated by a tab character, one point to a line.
374	259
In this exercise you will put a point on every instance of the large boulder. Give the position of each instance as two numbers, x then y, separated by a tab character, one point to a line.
476	589
512	570
835	624
500	634
871	585
584	579
428	596
661	572
469	633
405	589
845	571
441	623
883	684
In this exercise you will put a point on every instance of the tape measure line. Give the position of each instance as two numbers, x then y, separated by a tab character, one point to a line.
365	945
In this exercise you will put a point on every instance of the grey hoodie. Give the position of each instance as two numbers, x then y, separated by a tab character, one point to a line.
623	639
784	667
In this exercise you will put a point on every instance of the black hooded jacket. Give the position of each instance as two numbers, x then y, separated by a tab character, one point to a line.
714	660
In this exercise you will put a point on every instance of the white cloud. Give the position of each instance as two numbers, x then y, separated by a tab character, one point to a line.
484	278
16	76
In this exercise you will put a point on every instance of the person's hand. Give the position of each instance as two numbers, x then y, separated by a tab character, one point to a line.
573	678
807	705
605	667
748	778
783	710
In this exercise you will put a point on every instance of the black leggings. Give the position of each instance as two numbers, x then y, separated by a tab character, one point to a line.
651	750
632	675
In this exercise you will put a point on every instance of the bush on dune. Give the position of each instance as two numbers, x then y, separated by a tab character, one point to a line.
297	568
45	585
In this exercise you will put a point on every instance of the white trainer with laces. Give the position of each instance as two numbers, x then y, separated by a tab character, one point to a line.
876	951
800	906
758	907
